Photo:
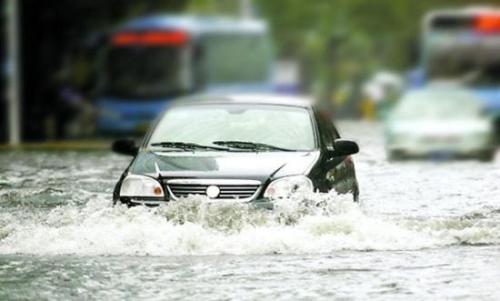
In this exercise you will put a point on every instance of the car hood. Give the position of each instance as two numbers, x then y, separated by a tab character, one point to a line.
230	165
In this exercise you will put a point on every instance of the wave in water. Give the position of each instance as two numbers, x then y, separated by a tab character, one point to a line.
312	224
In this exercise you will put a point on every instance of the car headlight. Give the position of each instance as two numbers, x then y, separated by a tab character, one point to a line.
141	186
287	186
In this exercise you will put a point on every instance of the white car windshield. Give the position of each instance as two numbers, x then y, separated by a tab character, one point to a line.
284	127
437	105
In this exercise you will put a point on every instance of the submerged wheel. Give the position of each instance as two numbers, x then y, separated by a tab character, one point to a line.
355	197
394	156
487	156
355	193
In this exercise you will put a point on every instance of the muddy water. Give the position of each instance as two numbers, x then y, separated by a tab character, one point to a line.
424	230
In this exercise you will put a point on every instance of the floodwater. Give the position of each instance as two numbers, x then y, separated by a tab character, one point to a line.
423	230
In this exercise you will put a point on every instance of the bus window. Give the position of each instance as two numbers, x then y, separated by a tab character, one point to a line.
451	23
134	72
236	58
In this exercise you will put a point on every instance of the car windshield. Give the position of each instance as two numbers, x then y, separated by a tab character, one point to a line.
243	127
136	72
437	105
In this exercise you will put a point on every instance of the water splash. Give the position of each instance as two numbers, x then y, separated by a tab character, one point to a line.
317	223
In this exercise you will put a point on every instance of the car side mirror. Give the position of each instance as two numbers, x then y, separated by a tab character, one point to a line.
343	147
125	147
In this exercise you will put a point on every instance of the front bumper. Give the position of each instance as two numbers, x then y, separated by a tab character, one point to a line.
261	203
439	154
456	146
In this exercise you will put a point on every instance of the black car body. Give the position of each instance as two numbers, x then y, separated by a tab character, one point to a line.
240	171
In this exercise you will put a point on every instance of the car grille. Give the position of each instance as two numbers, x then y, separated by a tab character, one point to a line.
243	190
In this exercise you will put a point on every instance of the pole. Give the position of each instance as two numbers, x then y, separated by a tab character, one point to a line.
245	9
13	72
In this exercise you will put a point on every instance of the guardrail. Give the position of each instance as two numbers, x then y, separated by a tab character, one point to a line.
79	145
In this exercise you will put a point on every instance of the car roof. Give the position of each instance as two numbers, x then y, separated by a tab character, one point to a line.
195	24
257	99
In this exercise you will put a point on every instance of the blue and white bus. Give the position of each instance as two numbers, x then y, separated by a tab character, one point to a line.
150	60
463	46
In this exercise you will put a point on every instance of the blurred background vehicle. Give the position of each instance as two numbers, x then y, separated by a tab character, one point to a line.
153	59
462	45
439	122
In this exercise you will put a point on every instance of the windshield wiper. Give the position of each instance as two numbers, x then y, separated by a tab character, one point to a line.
188	146
253	146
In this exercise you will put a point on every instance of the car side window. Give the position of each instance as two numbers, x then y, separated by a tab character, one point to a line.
336	134
327	131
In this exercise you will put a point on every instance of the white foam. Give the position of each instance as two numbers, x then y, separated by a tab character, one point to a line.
313	224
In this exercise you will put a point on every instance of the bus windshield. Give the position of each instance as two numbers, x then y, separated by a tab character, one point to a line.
464	69
143	72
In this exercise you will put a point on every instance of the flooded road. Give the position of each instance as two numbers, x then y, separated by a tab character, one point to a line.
424	230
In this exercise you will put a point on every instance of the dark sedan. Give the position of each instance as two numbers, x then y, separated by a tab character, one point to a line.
237	148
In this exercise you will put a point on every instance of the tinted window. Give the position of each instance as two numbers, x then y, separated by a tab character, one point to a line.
452	22
328	131
438	104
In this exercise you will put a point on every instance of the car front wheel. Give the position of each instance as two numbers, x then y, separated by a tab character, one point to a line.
487	156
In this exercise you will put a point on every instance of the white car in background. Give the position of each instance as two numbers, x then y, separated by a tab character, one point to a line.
439	123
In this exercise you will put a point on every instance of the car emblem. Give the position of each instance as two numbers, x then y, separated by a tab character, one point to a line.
213	191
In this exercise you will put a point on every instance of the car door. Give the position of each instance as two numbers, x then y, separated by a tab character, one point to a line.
338	172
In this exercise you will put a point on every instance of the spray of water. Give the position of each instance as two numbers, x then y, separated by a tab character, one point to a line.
316	223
